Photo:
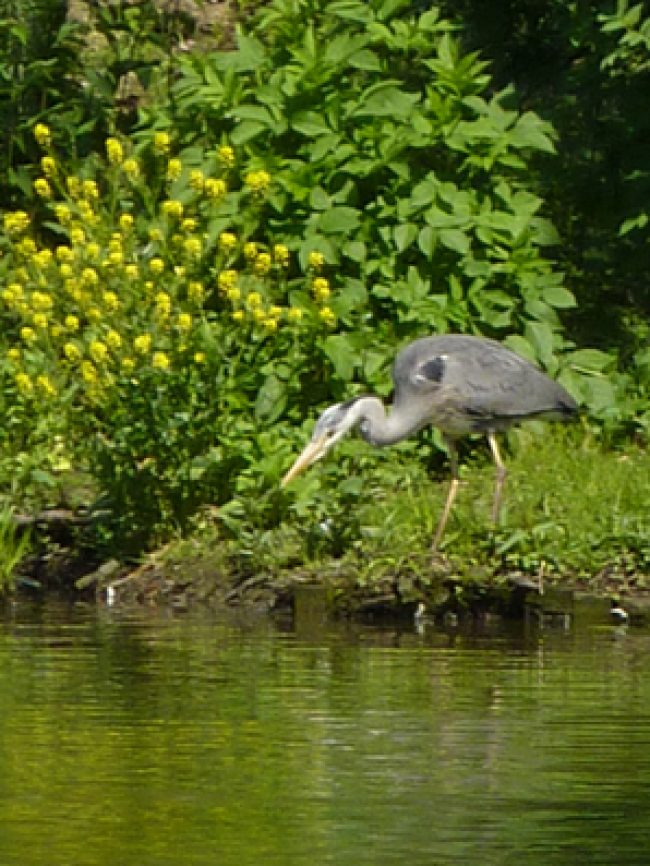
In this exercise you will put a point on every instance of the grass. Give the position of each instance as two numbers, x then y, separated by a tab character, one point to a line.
570	508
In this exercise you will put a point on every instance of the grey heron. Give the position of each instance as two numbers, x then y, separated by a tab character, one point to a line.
459	384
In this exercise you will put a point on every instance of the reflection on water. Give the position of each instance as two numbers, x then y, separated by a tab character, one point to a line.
148	739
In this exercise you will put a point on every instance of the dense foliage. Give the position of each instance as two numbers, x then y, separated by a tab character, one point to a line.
204	246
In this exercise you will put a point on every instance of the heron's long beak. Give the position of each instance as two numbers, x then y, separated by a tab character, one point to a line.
314	451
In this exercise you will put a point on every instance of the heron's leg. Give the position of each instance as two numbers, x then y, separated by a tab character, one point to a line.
451	495
500	479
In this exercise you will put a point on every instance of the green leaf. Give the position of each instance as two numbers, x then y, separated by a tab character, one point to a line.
531	131
319	199
385	100
338	220
324	145
246	131
365	59
540	336
521	346
342	354
559	297
590	360
310	123
271	400
355	250
424	193
427	241
404	235
455	239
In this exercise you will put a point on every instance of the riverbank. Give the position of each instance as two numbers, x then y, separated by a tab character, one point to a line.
576	519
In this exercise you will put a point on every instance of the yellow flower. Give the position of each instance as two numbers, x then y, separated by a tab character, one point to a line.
113	340
253	300
72	352
131	271
89	277
45	386
189	224
42	259
160	361
24	383
126	221
28	334
64	254
197	179
316	260
92	250
56	331
215	188
41	301
163	304
87	213
127	364
199	358
114	151
192	247
155	235
258	181
270	324
48	166
184	321
195	291
226	155
227	279
15	223
77	236
65	270
227	241
89	372
42	188
321	289
275	311
62	213
281	254
233	294
98	351
39	320
131	167
111	301
238	316
142	344
156	266
71	323
172	208
161	143
26	247
327	315
262	264
13	354
94	314
42	135
174	169
73	185
250	250
90	189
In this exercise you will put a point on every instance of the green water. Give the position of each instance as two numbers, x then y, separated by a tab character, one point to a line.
150	738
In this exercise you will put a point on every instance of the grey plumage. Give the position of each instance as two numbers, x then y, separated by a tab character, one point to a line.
458	383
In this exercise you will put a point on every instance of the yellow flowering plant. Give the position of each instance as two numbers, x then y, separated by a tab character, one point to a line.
163	312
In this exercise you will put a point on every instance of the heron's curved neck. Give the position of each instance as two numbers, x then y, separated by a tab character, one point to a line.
379	428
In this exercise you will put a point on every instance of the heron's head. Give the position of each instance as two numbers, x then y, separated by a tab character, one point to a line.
334	423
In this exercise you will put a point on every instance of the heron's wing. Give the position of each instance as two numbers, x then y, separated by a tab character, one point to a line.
478	379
